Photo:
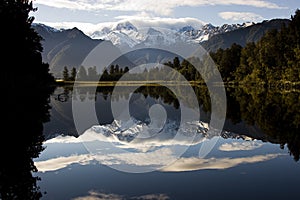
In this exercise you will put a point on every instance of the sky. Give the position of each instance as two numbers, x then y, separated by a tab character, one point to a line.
88	14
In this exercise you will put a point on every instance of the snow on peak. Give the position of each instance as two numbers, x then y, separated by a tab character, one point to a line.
186	29
124	26
152	31
140	135
45	27
126	34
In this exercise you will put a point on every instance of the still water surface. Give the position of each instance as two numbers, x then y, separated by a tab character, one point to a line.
255	157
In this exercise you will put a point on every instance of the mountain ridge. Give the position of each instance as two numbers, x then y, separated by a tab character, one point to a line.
69	47
64	47
242	36
126	34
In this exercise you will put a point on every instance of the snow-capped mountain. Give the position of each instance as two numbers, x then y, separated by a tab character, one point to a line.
208	30
69	46
119	34
46	28
125	34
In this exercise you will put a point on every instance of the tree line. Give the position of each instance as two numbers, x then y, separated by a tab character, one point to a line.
114	73
274	113
274	59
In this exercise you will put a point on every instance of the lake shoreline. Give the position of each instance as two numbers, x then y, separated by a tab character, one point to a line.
280	85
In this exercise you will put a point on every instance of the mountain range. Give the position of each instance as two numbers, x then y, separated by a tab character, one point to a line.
69	47
126	34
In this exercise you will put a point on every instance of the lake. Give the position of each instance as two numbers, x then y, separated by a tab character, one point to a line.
255	156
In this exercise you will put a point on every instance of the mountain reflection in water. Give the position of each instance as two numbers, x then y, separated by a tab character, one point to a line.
265	115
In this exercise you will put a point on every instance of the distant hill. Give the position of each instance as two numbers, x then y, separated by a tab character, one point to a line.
64	47
243	35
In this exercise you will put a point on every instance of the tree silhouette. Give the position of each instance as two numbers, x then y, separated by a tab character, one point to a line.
26	85
21	47
66	74
82	74
73	74
92	74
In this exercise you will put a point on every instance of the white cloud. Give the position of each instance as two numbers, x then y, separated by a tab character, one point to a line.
63	139
240	146
87	28
241	16
152	197
62	162
94	195
158	7
137	20
193	163
141	21
159	157
150	152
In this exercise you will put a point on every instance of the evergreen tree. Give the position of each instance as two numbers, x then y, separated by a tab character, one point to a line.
126	69
73	74
23	44
176	63
117	69
92	73
82	74
26	85
105	75
273	59
66	74
247	61
112	70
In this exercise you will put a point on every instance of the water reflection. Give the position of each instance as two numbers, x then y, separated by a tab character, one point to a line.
275	113
245	154
109	196
262	114
160	157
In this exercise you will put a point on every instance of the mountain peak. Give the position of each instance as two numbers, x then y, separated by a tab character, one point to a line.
208	26
74	32
186	28
125	26
45	27
152	31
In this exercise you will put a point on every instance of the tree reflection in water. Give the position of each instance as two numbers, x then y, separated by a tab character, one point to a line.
273	115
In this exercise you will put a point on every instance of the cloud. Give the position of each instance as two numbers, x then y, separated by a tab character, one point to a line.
154	153
159	158
94	195
241	16
142	21
62	162
240	146
137	20
157	7
152	197
193	163
63	139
